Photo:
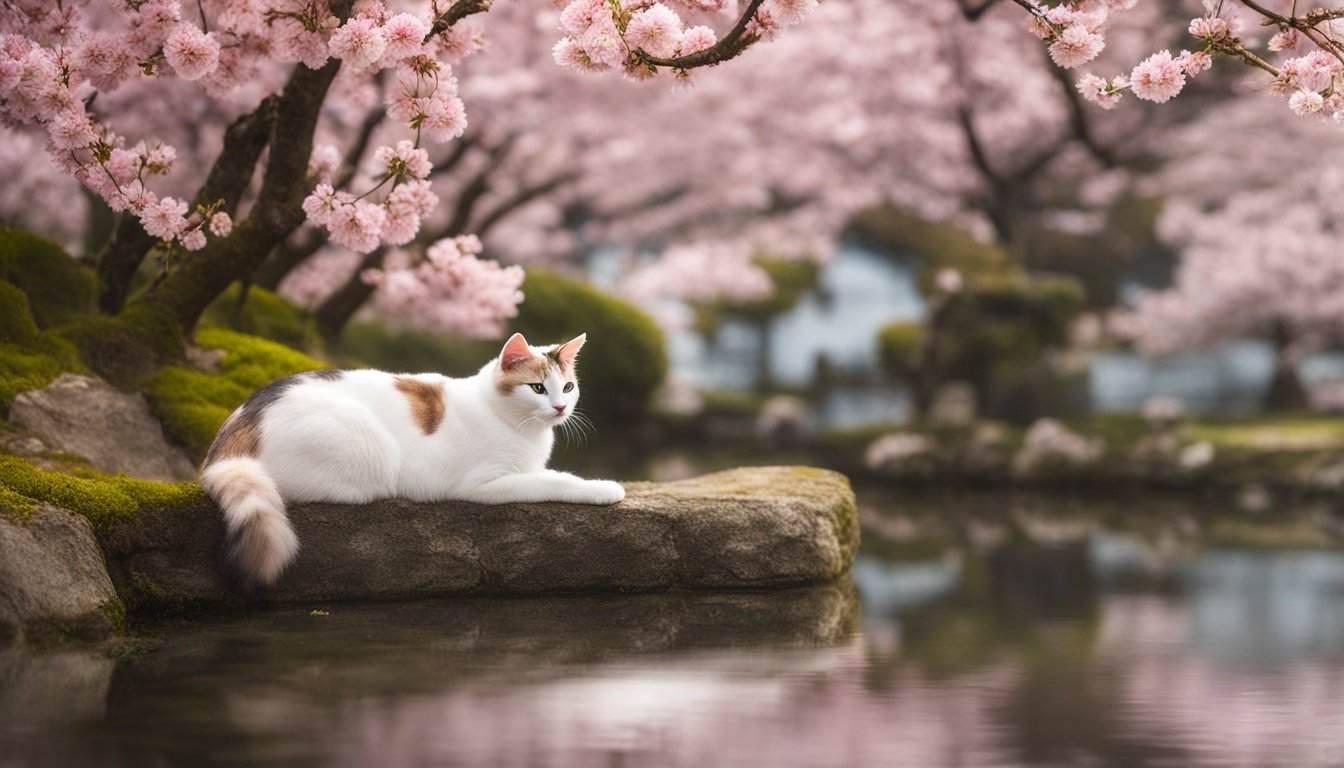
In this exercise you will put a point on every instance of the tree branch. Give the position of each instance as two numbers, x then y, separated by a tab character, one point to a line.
244	141
519	199
279	207
732	44
455	13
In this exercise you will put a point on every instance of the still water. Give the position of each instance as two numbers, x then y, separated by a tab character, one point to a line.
977	631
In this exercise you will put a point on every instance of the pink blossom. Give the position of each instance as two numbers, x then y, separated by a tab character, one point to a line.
1157	78
71	129
602	42
193	54
357	226
359	42
319	204
165	219
193	240
1074	46
445	118
221	224
1096	90
1284	41
948	281
1209	28
324	163
405	160
697	38
790	12
1306	102
579	15
1194	63
570	55
405	35
656	30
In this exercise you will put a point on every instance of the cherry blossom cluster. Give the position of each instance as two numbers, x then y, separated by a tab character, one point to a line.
424	98
1075	35
360	224
608	34
449	290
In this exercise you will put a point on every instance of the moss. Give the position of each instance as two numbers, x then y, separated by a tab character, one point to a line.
265	314
103	499
115	613
193	404
29	358
15	507
127	347
57	287
624	360
1270	432
898	348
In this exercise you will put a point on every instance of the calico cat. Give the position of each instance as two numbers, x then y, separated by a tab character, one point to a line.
360	435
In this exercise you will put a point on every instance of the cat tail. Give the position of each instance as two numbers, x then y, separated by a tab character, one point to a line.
259	542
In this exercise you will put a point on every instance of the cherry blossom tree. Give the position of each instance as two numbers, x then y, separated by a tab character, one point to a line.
56	60
1307	46
1259	241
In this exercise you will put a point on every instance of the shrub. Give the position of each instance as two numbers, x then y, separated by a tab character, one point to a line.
29	358
265	314
58	288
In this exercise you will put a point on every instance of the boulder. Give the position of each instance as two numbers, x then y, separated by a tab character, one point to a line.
53	583
750	527
113	430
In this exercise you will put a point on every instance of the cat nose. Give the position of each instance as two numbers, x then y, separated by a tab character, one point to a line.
558	408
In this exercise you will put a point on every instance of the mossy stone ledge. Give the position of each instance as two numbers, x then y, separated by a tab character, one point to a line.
741	528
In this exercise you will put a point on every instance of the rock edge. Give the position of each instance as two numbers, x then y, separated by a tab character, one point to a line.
740	528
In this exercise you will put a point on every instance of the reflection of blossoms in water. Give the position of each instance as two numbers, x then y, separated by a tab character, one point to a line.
1174	691
767	706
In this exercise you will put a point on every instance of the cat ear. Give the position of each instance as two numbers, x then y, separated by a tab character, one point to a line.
515	352
570	350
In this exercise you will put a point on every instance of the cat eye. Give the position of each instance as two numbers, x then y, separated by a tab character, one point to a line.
540	389
569	386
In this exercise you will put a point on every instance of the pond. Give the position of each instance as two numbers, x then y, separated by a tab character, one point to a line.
987	631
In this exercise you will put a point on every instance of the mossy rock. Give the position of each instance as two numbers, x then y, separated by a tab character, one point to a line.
127	347
58	288
625	359
263	313
104	500
29	357
744	528
193	403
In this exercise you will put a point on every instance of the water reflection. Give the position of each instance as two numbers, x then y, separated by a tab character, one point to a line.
994	631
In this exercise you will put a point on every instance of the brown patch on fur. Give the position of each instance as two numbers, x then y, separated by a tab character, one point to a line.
530	372
240	436
426	401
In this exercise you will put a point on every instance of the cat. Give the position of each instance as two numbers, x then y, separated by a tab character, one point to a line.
355	436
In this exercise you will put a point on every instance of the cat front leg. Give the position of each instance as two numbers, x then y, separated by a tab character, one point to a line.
546	485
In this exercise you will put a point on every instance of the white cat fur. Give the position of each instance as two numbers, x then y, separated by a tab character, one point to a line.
357	436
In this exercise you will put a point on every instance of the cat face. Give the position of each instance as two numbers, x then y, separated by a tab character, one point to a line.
539	383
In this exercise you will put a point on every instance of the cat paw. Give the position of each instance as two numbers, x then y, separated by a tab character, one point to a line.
603	492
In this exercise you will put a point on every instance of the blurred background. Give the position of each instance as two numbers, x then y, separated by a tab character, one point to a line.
1083	367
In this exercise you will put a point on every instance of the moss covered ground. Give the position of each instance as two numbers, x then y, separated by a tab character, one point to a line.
103	499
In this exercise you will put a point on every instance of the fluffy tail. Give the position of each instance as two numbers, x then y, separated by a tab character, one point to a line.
259	542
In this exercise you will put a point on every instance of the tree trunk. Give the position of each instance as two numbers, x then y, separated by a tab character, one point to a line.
1286	392
199	279
334	313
